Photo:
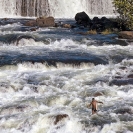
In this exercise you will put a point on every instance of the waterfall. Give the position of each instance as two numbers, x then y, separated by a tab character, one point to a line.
56	8
8	8
63	8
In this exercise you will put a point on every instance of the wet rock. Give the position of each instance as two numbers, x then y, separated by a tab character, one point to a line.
96	20
104	20
23	37
83	19
31	23
120	82
66	26
41	22
5	19
118	77
97	24
33	29
58	118
123	68
97	94
130	76
126	34
45	22
123	111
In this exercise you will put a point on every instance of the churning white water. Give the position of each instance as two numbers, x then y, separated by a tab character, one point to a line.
33	92
56	8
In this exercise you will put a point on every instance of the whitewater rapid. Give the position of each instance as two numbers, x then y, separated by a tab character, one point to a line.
54	71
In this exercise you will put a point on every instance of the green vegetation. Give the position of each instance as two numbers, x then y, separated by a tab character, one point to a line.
125	10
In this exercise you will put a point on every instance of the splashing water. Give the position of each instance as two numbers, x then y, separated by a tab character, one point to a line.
54	73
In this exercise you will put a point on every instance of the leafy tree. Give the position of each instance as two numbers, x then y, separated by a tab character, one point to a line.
125	10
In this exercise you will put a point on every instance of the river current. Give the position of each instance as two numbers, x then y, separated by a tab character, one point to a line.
56	71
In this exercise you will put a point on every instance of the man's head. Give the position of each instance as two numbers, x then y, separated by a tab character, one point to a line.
93	99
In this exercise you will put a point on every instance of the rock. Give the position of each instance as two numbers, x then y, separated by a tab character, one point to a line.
23	37
45	22
104	20
126	34
96	20
33	29
123	111
66	26
82	19
130	76
5	19
97	94
31	23
82	33
120	82
118	77
98	27
41	22
60	117
123	68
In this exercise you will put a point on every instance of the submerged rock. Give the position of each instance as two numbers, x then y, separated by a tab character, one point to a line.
58	118
123	111
130	76
120	82
97	94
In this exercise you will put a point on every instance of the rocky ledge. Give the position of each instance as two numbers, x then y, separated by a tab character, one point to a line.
41	22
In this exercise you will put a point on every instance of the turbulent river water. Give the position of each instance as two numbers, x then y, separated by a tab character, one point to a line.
55	71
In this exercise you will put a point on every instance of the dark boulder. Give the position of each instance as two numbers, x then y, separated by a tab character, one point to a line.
105	20
123	111
97	25
96	94
120	82
60	117
104	24
130	76
83	19
96	20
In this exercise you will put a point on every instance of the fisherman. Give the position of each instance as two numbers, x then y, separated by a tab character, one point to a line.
94	105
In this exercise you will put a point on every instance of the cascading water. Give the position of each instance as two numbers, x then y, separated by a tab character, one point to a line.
70	8
48	75
9	8
56	8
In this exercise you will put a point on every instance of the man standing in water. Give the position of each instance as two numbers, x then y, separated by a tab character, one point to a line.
94	105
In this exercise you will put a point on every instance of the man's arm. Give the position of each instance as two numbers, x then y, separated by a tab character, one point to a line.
89	105
100	102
